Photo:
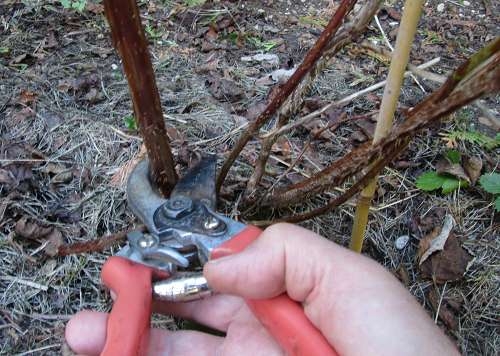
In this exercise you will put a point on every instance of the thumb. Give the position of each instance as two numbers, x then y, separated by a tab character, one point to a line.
284	258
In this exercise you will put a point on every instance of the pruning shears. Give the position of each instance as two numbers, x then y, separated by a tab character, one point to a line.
184	232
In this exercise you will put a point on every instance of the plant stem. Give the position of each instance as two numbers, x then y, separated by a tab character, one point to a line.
129	39
96	245
483	79
284	92
349	32
400	58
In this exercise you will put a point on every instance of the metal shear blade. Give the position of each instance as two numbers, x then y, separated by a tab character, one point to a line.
199	183
182	228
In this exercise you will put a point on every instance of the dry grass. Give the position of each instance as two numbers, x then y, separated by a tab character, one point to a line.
38	294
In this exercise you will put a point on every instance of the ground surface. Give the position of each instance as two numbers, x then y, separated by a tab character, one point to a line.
64	108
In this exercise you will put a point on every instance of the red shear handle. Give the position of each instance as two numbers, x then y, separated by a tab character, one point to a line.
283	318
129	321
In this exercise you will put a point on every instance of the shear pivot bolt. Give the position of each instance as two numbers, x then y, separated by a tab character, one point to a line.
211	223
146	241
178	206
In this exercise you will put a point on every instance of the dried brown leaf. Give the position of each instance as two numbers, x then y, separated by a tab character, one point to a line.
393	13
445	167
211	35
49	236
425	242
436	240
53	241
491	122
175	135
447	265
93	96
63	177
473	167
31	230
224	89
26	97
367	126
14	174
53	168
21	115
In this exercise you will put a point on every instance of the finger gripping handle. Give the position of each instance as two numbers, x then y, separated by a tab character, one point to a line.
283	318
129	321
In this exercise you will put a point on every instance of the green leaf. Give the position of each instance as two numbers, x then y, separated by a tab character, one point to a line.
497	203
429	181
79	5
454	156
490	183
451	184
66	4
130	122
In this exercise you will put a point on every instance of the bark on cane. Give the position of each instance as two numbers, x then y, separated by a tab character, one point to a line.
129	39
284	92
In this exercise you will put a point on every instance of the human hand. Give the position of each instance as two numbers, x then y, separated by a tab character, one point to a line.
359	307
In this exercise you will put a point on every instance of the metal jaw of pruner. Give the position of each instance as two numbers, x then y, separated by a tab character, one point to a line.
182	230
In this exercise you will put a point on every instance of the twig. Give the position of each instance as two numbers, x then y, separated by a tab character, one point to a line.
38	350
129	39
336	202
414	69
388	43
381	29
299	157
433	77
484	80
295	102
309	117
96	245
284	92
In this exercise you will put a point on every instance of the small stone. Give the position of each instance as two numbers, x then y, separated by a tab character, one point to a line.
466	3
114	66
440	7
402	241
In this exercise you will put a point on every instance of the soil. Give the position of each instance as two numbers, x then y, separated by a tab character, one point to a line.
67	131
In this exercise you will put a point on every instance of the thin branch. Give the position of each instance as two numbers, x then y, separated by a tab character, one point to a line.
295	102
331	126
388	43
129	39
309	117
484	80
284	92
334	203
97	245
414	69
